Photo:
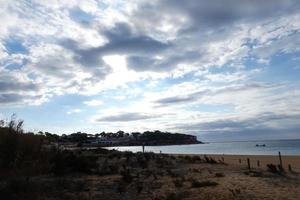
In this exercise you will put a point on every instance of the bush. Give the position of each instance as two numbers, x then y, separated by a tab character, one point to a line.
272	168
18	149
65	162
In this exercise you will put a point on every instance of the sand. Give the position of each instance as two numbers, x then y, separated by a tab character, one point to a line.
294	161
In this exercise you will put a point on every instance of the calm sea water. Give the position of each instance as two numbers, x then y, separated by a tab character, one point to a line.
286	147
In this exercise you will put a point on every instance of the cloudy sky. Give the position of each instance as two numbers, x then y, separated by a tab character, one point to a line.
219	70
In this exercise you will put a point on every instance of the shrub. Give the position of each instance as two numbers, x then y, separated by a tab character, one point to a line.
18	149
272	168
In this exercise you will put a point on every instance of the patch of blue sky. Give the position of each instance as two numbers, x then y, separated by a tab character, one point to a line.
14	66
252	63
15	46
80	16
282	68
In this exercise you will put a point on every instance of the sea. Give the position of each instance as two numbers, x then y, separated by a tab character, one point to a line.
265	147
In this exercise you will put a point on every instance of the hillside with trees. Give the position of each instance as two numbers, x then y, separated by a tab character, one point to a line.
121	138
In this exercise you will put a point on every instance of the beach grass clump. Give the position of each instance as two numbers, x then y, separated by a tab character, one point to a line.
235	191
275	169
210	160
197	184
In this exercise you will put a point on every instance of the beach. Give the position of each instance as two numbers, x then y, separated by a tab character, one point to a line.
238	182
294	161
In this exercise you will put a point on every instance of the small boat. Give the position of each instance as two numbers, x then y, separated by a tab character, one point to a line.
260	145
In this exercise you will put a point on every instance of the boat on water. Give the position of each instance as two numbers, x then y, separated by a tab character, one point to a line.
260	145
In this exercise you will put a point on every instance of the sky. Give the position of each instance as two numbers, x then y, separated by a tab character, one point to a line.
221	70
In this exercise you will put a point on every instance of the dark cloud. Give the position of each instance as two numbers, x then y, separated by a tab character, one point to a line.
10	98
121	40
125	117
15	86
215	13
14	98
16	91
168	62
182	99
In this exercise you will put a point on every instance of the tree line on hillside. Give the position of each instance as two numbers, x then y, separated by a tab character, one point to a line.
135	138
105	138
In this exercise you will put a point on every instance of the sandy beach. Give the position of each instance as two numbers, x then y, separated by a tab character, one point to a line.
241	160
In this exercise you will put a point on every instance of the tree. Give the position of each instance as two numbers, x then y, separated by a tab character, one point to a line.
120	133
2	123
135	135
102	134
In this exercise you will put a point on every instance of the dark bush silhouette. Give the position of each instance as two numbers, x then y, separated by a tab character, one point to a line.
18	149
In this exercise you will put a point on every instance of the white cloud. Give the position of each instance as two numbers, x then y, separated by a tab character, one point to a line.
93	103
75	110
